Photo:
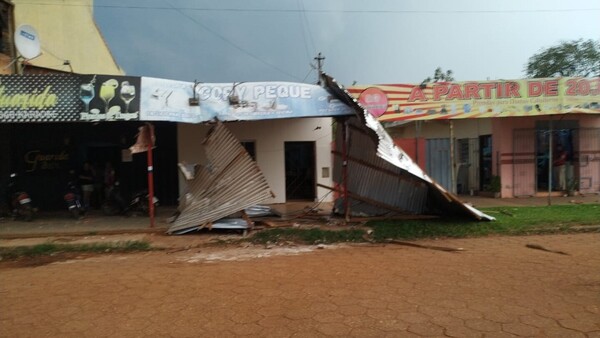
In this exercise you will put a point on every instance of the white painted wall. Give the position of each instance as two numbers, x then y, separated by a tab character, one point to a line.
269	137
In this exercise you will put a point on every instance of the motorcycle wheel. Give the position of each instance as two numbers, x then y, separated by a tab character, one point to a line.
75	213
110	210
27	212
143	208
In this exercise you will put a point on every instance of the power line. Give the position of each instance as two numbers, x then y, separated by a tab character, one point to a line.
307	74
302	29
361	11
231	43
305	21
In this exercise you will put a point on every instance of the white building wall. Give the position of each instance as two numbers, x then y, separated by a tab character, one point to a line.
269	137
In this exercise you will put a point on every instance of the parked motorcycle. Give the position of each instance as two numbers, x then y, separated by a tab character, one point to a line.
73	200
20	202
115	203
139	202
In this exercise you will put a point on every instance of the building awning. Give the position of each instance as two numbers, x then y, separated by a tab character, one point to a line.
480	99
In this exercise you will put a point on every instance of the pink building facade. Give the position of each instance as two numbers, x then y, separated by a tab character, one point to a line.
501	136
521	154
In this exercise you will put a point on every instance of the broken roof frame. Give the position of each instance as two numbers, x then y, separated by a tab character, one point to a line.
372	169
395	184
231	182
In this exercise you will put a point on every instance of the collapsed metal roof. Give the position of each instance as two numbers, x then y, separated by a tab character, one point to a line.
230	182
382	175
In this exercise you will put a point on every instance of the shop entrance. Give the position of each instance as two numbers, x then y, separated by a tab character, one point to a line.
560	174
300	171
45	154
485	162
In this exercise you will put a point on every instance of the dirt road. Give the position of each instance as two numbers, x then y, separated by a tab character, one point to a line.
496	287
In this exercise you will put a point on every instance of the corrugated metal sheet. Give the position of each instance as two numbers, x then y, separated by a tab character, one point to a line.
231	182
382	174
379	180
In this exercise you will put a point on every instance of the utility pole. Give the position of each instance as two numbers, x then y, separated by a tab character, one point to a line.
319	59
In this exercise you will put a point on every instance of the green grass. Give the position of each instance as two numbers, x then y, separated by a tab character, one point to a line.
52	249
509	221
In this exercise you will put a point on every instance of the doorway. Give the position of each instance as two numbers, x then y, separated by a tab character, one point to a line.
485	162
70	144
100	155
300	171
560	178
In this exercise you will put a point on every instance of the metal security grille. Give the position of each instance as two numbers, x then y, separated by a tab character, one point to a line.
587	160
473	164
524	162
438	161
467	165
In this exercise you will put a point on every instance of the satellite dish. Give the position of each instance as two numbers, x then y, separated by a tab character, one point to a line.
27	41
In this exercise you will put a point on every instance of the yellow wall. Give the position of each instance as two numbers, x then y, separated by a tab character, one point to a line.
67	31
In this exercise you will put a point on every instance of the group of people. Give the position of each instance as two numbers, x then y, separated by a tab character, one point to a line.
89	182
93	188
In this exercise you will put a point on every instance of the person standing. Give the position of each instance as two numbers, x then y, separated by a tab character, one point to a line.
559	163
87	176
109	178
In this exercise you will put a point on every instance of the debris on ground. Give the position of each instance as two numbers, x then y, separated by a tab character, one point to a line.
539	247
424	246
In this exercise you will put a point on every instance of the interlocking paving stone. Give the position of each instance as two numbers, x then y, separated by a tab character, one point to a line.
495	288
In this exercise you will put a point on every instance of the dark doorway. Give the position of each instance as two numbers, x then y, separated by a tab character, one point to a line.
299	170
99	156
485	161
44	154
250	147
559	176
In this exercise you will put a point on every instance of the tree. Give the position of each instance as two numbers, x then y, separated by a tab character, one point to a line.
440	76
569	58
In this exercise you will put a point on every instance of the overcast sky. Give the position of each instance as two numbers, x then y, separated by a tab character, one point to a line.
370	42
